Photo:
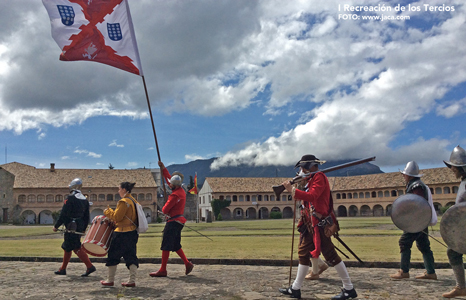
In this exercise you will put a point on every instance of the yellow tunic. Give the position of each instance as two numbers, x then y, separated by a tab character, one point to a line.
125	209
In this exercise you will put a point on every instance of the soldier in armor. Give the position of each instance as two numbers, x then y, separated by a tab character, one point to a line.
414	185
75	216
457	165
174	208
317	195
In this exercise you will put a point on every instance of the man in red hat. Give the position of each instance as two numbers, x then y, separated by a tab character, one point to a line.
316	195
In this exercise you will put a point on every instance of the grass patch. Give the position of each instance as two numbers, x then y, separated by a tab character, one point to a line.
372	239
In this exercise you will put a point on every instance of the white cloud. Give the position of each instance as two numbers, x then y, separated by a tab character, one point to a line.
65	157
191	157
449	110
88	153
132	164
114	144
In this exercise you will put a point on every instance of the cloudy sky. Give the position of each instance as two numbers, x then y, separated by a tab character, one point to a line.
253	82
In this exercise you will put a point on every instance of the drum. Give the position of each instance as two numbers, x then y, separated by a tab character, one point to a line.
97	239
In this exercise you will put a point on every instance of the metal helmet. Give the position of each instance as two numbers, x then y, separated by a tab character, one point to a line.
411	169
76	184
457	158
178	173
176	180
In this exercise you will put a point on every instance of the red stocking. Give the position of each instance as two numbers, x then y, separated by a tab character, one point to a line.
66	260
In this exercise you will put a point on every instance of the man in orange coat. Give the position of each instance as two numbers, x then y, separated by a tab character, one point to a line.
174	208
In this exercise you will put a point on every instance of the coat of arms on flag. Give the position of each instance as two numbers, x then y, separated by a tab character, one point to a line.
100	31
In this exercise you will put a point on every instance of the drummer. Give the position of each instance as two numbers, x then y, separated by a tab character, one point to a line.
414	185
124	238
457	165
75	216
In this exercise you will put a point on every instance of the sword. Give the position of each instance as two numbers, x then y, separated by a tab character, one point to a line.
347	248
167	216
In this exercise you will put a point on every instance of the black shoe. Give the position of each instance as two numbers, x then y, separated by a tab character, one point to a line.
345	294
60	272
88	271
290	292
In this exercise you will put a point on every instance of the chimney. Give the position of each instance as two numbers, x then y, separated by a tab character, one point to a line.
52	167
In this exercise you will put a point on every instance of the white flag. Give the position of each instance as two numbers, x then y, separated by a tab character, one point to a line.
95	30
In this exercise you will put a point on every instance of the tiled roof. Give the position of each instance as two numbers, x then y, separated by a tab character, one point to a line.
390	180
243	184
362	182
31	177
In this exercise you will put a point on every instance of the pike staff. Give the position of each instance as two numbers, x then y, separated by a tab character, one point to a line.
168	217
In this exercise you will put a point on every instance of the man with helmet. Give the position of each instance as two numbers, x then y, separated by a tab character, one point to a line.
174	208
75	216
316	195
457	165
414	185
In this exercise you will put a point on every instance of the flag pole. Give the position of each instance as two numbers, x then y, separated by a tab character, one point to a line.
155	134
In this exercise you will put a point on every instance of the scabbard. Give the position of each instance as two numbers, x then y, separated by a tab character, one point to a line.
348	248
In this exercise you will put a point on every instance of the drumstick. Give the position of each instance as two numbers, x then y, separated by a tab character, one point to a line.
69	231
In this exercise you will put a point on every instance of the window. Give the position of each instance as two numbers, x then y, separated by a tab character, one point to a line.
355	195
101	197
21	198
140	197
248	198
241	198
400	192
338	196
374	194
254	198
31	198
438	190
266	197
149	197
393	193
135	196
350	196
386	194
40	198
455	189
380	194
259	197
361	195
235	198
283	198
110	197
446	190
367	195
49	198
343	196
117	197
272	198
59	198
93	197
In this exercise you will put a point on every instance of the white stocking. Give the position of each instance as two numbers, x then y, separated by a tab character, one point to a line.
302	272
344	276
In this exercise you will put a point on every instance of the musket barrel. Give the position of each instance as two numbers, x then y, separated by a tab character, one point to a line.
278	189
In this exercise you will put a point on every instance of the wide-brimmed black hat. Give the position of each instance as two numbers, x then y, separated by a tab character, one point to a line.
307	160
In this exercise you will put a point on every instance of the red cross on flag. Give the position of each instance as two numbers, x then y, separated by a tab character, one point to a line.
95	30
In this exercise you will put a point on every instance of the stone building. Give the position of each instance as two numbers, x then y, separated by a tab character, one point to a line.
29	195
364	195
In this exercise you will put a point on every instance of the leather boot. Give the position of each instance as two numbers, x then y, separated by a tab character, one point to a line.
457	291
132	277
110	277
400	275
427	276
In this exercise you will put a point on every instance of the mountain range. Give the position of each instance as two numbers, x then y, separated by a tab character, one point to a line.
202	168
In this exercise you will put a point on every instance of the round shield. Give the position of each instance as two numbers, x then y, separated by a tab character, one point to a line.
411	213
452	227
